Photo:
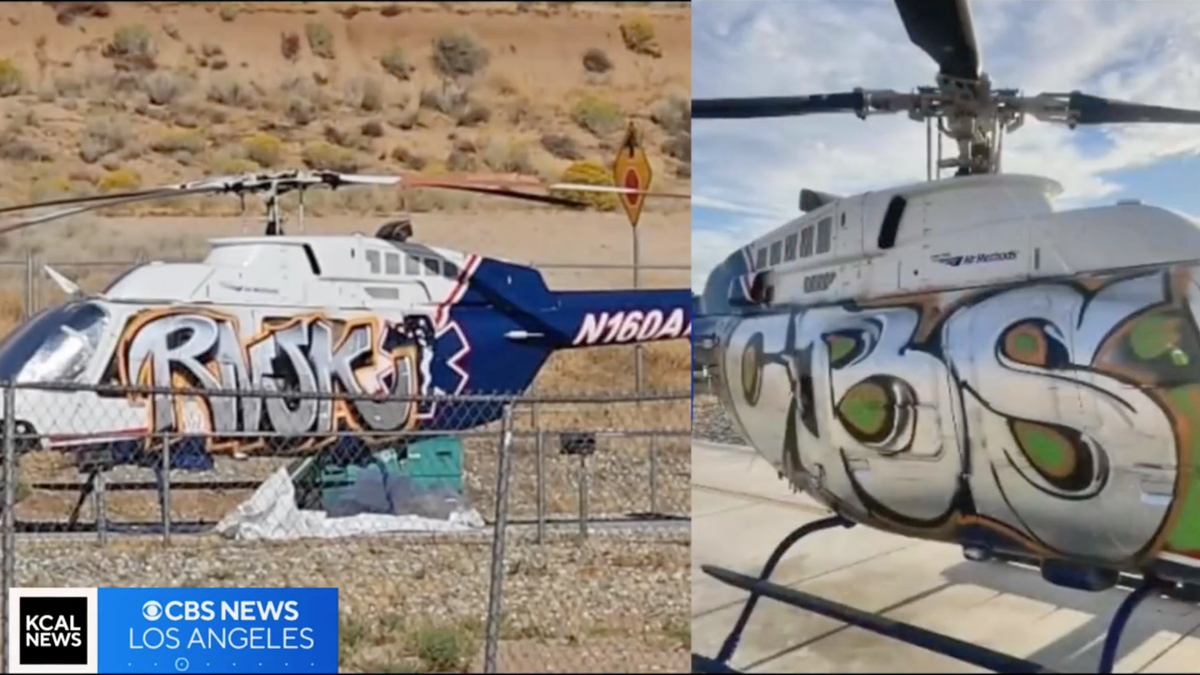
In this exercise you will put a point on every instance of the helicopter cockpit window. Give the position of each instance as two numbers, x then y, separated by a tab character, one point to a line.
412	265
373	260
777	253
789	247
449	270
806	241
393	263
761	261
55	345
824	235
433	267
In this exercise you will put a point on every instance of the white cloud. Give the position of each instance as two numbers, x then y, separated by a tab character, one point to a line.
1143	51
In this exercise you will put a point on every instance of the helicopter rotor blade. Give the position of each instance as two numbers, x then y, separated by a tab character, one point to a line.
776	106
943	30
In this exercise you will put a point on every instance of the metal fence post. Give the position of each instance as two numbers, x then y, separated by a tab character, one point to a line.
166	488
29	311
653	475
504	461
540	447
9	534
583	497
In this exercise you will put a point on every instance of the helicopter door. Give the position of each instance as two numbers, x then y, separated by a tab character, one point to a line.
1027	466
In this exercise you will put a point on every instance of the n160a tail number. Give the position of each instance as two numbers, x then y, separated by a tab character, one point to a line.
605	328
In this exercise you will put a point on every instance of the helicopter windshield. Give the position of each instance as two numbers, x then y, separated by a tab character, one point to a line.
53	345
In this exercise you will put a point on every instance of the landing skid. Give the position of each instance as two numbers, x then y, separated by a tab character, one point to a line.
905	632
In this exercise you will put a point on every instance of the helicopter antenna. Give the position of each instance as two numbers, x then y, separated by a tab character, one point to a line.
969	111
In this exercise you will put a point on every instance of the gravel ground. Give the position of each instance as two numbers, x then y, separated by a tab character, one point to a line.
711	423
620	597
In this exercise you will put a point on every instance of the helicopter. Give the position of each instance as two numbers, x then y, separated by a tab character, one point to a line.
956	360
188	349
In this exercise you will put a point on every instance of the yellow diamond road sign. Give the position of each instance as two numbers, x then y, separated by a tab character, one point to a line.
632	170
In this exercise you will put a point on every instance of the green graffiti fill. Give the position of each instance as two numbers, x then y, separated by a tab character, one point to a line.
1185	536
1025	344
839	346
865	406
1153	336
1044	447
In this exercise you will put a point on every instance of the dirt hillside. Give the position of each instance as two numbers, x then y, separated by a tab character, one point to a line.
98	96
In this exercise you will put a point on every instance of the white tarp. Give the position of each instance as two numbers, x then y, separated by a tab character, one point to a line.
271	513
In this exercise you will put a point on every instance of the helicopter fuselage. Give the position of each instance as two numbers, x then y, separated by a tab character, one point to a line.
321	316
956	361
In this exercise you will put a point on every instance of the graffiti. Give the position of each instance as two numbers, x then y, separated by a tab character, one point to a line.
604	328
307	354
1060	418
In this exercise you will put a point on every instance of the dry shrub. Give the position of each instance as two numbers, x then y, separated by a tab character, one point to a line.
132	48
325	156
300	111
679	146
396	64
163	88
171	29
229	12
12	80
365	93
561	146
596	61
673	113
391	10
507	157
461	160
404	119
474	114
589	172
263	149
102	136
639	36
289	45
320	40
17	148
457	53
119	179
408	158
229	163
449	98
66	12
598	116
179	141
231	92
371	129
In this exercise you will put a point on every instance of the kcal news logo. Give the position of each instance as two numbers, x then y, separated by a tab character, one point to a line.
53	630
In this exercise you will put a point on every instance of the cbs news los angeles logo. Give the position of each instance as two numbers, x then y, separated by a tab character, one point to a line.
52	630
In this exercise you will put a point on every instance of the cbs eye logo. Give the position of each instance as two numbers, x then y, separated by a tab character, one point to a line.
152	611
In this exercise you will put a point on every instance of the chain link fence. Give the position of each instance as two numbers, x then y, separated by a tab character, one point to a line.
480	533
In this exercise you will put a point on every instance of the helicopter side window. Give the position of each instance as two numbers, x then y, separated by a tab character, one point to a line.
393	263
761	261
789	247
433	267
449	270
824	235
373	260
806	241
776	253
412	265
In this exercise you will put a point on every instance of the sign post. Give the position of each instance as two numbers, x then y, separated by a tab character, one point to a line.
631	169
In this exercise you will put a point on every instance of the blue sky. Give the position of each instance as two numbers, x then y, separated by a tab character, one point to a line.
1140	50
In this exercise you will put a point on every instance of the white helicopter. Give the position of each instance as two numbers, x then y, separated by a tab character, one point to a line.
955	360
318	314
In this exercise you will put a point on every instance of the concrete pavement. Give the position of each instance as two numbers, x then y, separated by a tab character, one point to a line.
740	511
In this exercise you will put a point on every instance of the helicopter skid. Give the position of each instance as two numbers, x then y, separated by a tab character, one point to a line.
899	630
